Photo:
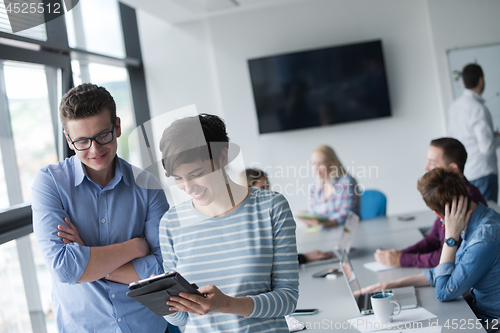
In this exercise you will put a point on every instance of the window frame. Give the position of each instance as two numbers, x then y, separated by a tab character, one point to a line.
16	221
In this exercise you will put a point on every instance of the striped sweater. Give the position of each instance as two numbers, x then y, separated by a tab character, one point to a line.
249	252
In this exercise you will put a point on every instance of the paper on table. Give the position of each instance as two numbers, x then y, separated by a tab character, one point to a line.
436	329
377	267
369	323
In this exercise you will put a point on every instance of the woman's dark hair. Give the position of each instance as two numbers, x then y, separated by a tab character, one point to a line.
254	175
439	186
193	139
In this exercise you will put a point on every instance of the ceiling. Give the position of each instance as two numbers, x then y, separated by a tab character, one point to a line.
179	11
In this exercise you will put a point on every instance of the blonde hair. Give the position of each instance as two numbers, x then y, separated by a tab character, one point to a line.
330	155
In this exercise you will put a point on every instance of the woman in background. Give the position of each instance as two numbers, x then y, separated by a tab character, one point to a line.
335	193
258	179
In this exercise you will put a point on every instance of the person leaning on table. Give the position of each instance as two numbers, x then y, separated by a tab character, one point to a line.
443	152
475	265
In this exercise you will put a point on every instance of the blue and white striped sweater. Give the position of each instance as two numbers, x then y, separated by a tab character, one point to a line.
249	252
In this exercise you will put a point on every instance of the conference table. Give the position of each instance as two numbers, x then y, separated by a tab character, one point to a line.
332	297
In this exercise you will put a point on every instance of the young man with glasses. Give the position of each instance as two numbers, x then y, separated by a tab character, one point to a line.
96	228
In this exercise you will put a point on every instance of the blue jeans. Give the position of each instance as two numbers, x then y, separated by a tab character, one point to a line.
488	186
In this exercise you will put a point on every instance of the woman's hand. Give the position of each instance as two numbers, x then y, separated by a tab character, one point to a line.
69	234
215	301
456	218
417	280
317	255
374	287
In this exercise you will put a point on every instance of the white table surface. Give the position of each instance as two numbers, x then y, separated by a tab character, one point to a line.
332	297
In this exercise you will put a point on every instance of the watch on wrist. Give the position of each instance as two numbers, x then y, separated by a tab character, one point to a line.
450	242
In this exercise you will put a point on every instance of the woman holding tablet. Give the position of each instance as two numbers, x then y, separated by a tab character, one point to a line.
475	265
238	243
335	192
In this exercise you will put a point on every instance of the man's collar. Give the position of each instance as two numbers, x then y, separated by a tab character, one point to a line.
121	172
474	94
81	172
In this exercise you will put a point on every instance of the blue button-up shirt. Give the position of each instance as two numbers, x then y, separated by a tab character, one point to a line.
477	265
116	213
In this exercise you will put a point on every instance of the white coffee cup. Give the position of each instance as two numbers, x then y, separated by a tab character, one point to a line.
383	307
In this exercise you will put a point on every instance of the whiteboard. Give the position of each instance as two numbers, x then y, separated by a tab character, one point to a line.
488	57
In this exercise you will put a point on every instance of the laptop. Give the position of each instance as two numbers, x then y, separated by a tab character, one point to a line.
350	226
406	296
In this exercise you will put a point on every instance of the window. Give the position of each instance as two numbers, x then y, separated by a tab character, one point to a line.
35	71
14	314
44	285
4	199
86	23
30	117
7	21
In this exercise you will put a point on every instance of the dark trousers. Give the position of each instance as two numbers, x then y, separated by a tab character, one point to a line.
488	186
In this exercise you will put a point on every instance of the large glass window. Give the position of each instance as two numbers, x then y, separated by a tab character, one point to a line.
4	198
44	284
38	32
14	314
31	120
33	79
95	26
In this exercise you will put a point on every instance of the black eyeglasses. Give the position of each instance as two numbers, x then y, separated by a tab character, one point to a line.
86	143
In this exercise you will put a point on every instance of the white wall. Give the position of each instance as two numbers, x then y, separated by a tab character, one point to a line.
180	70
459	24
179	65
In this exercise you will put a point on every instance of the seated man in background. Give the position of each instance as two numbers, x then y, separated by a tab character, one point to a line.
258	178
443	152
475	265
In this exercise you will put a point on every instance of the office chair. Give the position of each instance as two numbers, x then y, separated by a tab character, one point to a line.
373	204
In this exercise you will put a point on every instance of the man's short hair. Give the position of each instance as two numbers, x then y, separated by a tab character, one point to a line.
453	151
183	142
440	185
471	74
84	101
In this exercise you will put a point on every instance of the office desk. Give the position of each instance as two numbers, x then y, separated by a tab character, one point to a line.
332	297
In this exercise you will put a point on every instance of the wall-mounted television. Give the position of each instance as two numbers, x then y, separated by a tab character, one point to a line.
320	87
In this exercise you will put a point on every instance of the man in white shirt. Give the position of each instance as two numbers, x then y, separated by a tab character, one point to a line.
470	123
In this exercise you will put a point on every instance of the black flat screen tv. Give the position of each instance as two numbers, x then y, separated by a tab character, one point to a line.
320	87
